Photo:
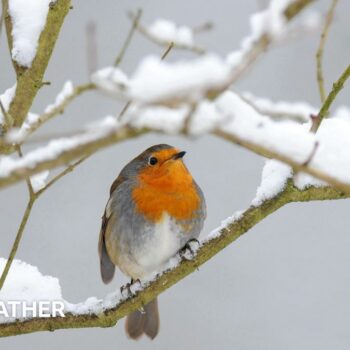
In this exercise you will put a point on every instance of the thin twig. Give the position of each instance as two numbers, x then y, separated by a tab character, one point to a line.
260	45
127	104
33	196
58	109
312	154
77	91
124	109
1	21
337	86
17	241
274	114
91	47
25	217
69	169
319	54
203	27
7	117
188	119
166	52
29	78
29	184
127	42
146	33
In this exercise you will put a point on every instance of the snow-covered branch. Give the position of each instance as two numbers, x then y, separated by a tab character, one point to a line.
163	32
34	121
227	116
62	151
105	313
32	29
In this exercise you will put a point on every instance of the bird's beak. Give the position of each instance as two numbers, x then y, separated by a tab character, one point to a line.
178	155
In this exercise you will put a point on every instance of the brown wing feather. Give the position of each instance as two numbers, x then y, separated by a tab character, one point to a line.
107	267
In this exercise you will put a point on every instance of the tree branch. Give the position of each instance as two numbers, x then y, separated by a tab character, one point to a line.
260	45
297	167
126	44
208	249
25	217
29	80
146	33
126	132
33	196
337	86
17	240
59	109
319	54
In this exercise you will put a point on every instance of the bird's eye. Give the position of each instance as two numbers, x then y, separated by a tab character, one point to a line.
153	161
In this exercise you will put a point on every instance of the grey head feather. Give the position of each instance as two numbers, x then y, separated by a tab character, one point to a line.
138	163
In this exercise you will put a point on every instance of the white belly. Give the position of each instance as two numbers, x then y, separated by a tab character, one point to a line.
159	246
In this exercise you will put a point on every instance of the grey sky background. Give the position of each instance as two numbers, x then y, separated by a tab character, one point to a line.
284	285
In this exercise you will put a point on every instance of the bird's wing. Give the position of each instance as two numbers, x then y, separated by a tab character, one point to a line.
107	267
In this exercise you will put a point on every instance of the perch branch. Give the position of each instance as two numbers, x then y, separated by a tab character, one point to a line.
208	249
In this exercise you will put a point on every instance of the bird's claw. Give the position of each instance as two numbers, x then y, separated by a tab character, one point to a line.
126	290
188	251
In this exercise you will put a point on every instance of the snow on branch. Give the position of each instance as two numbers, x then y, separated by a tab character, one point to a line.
163	32
25	283
299	111
267	27
61	151
206	76
32	28
184	81
105	313
22	101
227	116
176	105
28	20
171	97
35	121
5	100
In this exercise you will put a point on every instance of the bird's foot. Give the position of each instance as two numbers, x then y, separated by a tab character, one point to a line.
189	250
126	290
136	284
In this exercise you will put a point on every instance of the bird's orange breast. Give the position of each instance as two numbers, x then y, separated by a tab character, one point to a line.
173	192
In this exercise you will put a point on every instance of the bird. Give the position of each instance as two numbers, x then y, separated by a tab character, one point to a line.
155	208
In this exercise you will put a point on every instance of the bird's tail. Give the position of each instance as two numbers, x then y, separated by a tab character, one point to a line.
146	321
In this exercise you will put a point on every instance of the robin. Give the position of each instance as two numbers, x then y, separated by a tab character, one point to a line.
155	208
